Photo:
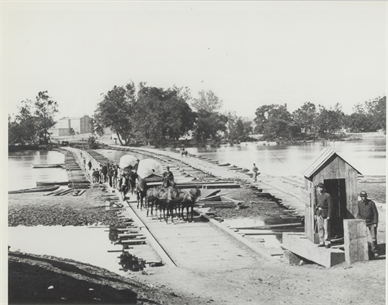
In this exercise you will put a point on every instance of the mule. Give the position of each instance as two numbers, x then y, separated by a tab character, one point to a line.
155	199
188	199
141	192
172	201
132	176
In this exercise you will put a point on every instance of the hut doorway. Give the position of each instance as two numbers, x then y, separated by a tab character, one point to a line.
337	190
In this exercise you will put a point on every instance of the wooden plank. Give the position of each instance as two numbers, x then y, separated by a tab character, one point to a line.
262	233
268	226
355	240
213	193
211	198
308	250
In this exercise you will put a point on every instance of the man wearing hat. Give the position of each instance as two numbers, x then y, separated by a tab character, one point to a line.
367	210
168	177
323	213
136	166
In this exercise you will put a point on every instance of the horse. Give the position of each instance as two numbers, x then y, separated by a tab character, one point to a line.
155	198
132	176
187	200
141	192
173	201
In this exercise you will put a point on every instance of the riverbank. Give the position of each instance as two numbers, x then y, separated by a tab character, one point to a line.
263	283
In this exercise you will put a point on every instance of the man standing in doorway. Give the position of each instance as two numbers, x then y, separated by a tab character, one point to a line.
367	210
255	172
323	213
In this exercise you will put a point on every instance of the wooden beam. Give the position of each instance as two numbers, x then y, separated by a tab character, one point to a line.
356	241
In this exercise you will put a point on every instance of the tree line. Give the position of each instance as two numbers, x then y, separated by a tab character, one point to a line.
275	122
150	115
33	120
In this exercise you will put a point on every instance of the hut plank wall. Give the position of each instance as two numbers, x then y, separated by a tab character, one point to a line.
334	168
338	169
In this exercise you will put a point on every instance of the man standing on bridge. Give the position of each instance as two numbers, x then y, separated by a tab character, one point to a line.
367	210
255	172
323	212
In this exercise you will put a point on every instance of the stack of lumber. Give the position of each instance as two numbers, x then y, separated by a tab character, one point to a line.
64	192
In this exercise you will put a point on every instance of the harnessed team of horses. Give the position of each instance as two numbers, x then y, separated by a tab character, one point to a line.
166	198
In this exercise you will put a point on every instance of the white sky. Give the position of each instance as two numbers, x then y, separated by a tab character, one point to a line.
248	53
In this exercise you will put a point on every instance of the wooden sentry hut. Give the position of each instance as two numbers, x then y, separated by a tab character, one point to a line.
340	181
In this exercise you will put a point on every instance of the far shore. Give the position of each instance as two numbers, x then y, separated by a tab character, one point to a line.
81	141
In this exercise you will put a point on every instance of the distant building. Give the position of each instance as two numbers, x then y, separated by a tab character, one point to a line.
86	124
79	125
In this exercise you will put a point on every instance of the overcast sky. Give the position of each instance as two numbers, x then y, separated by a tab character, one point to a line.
248	53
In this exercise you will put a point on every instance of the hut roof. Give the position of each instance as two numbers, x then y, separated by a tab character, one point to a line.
321	161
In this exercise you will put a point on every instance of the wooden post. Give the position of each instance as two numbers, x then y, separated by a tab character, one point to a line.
356	241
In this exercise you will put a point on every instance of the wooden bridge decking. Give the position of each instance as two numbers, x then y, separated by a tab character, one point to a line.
199	244
286	190
209	244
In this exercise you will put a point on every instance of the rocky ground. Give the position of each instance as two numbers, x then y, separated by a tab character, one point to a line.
50	280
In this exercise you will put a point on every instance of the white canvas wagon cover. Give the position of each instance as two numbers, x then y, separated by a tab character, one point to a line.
147	166
127	160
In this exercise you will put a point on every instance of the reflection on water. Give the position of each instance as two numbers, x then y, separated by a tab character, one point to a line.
367	156
90	246
22	175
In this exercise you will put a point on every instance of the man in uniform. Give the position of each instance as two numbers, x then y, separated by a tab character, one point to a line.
323	212
168	177
367	210
255	172
136	166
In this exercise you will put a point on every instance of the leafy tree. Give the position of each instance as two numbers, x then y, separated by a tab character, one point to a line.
274	121
45	109
209	125
304	117
116	111
162	114
33	120
377	108
92	143
238	128
330	120
359	120
208	101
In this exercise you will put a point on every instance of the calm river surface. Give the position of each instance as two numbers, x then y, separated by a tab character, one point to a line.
368	156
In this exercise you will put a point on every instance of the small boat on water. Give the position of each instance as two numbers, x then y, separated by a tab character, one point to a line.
35	189
45	183
223	164
47	165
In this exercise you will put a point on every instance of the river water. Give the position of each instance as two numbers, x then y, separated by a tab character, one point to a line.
22	175
368	156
